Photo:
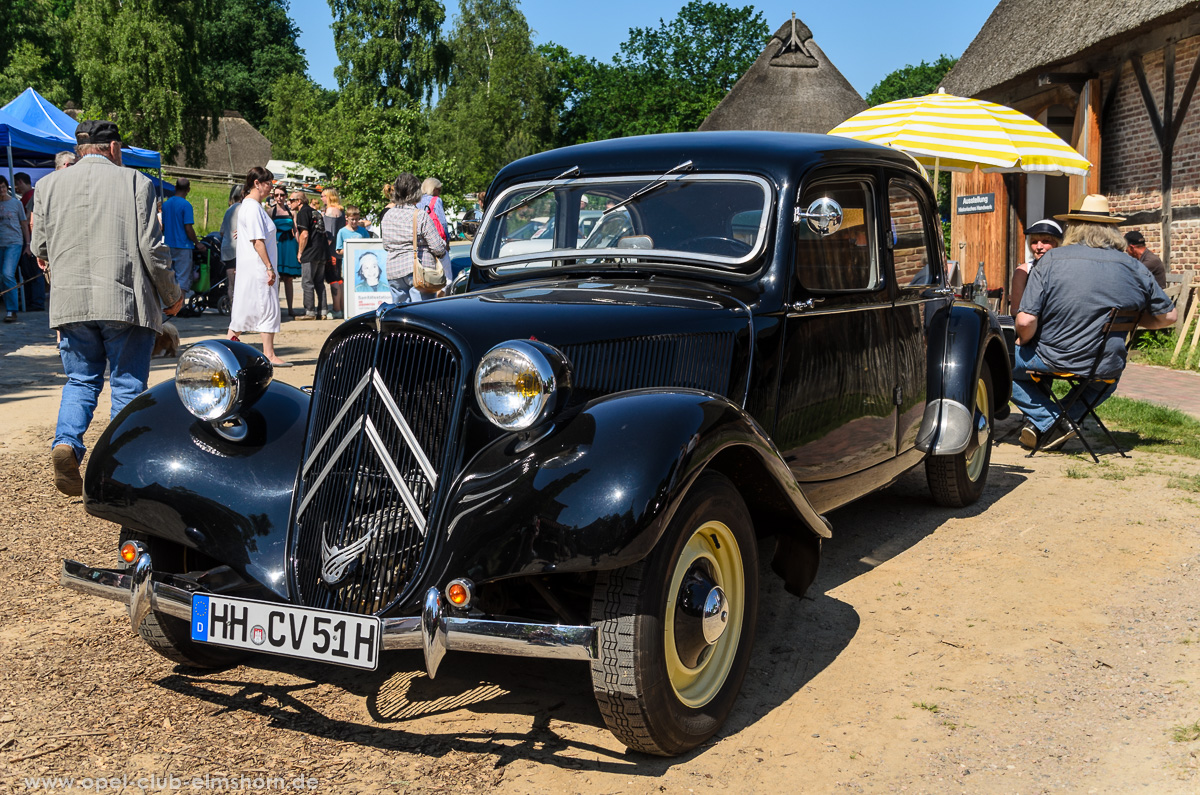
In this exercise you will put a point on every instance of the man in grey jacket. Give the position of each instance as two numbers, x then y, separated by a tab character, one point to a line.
110	278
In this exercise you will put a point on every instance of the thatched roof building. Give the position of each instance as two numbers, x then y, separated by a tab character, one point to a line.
236	148
792	87
1115	79
1023	36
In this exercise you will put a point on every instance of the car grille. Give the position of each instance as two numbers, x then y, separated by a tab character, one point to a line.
379	441
690	361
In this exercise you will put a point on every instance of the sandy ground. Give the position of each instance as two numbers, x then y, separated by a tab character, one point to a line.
1045	640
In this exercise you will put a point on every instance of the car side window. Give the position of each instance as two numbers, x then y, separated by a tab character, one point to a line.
846	259
910	229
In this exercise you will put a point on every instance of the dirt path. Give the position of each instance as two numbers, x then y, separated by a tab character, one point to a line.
1046	640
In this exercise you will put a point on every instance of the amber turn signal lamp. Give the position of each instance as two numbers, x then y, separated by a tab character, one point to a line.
130	551
459	592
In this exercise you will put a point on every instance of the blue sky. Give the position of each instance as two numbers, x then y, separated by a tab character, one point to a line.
865	39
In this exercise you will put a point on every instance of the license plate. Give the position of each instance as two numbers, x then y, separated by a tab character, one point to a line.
271	628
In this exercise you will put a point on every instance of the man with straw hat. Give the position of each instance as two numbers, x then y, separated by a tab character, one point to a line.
1065	306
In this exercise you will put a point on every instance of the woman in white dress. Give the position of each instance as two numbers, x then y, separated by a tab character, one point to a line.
256	293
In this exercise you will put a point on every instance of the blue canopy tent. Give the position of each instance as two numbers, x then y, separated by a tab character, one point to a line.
32	125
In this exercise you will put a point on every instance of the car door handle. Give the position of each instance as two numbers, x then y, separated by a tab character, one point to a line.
796	308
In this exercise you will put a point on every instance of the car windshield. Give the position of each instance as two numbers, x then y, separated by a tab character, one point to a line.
712	220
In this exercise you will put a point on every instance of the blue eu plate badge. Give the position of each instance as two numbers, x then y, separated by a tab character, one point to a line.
199	617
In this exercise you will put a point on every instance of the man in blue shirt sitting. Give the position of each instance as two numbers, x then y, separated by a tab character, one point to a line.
177	220
1063	311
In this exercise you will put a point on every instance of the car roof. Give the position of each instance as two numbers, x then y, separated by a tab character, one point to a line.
776	155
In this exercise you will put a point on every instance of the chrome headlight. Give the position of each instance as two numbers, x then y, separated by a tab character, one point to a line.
216	379
518	383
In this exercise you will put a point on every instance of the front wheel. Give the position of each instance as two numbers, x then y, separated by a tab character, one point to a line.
170	636
675	630
958	480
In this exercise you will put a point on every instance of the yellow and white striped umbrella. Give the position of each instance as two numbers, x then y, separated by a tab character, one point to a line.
957	134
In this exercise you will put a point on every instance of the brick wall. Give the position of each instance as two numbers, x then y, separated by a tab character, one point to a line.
1131	166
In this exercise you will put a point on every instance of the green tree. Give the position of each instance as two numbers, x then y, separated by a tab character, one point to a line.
911	81
499	103
917	81
247	45
390	51
376	144
664	79
360	145
137	63
35	38
300	120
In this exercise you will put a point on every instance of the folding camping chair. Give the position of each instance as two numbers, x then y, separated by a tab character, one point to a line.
1120	322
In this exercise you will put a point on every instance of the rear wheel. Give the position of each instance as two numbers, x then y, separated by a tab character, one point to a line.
675	631
958	480
170	636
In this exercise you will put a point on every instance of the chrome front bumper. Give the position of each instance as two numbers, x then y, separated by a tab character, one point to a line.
435	630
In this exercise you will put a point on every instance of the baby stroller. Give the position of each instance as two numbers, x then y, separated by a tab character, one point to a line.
207	258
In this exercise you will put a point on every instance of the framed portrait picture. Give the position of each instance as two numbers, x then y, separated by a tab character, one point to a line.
364	272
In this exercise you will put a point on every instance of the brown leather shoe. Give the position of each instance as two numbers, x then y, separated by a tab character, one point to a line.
66	470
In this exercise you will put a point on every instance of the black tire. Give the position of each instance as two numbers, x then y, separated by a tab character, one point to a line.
642	704
170	636
223	305
958	480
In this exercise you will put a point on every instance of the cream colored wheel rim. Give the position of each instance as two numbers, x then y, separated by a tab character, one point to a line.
715	543
975	462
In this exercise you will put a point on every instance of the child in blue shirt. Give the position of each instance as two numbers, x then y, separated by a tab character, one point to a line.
350	230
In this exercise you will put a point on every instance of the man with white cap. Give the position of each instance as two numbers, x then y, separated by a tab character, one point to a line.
1064	308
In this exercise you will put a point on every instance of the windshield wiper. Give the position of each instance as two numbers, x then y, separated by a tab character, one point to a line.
655	185
573	171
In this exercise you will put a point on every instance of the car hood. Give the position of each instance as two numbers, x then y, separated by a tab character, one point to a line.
617	334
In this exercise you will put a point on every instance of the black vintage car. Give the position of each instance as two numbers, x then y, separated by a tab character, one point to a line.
581	455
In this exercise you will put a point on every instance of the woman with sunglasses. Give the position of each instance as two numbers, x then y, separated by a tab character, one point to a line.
285	238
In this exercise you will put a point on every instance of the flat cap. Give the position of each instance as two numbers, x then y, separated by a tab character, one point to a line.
97	131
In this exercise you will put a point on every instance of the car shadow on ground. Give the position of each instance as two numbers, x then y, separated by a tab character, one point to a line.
542	710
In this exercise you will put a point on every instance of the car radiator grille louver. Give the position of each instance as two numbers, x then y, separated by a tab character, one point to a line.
379	443
692	361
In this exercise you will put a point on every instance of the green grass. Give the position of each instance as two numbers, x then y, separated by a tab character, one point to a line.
1187	483
1186	734
1157	348
1151	428
218	201
1148	427
934	708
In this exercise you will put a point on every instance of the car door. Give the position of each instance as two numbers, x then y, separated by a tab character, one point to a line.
836	410
918	274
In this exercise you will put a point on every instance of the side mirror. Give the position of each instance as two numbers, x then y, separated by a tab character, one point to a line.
824	216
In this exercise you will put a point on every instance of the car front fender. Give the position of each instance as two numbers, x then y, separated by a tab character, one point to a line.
597	490
160	471
963	340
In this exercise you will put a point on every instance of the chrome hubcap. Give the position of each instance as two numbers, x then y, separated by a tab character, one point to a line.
716	615
701	615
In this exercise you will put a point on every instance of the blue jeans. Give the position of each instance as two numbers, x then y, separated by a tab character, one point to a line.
86	348
1035	405
10	258
403	292
181	263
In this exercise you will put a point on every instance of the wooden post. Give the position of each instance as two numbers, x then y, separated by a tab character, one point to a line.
1182	332
1085	138
206	213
